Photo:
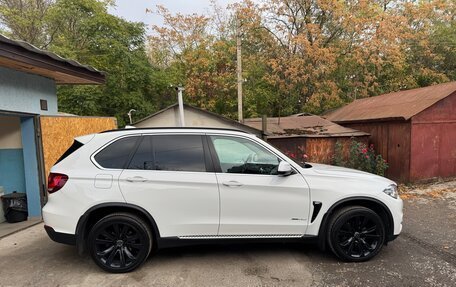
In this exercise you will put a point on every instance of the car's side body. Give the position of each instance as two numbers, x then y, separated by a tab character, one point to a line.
207	202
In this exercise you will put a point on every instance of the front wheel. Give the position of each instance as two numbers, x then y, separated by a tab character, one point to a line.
356	233
120	242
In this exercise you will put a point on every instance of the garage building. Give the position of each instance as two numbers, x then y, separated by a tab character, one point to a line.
415	130
28	79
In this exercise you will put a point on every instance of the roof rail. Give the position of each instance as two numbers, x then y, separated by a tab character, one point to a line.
174	128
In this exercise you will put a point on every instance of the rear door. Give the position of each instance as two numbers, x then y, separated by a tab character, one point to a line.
255	200
172	177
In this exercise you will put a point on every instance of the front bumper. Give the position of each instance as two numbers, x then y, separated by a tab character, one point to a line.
59	237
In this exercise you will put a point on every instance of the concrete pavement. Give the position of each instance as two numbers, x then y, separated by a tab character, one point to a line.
424	255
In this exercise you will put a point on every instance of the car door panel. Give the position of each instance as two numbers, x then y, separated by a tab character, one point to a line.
181	203
263	205
255	200
170	177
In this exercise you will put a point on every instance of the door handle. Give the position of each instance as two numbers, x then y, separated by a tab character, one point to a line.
232	183
136	179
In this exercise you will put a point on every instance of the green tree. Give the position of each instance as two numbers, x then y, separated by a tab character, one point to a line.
89	34
27	20
83	30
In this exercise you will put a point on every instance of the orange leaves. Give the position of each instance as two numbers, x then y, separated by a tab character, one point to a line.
304	55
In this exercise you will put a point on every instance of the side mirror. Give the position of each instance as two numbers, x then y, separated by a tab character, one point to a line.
284	169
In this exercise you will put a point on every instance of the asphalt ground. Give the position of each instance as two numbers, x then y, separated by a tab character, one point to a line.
423	255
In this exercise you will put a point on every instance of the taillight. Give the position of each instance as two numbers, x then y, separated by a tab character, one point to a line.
56	181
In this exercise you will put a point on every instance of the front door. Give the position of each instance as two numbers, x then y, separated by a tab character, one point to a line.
168	176
255	200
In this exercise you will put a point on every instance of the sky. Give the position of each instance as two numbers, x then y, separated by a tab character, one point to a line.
135	10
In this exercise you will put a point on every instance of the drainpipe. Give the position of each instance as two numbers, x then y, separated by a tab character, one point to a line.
181	105
264	126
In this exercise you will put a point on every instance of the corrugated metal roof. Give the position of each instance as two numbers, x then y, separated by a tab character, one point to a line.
303	125
398	105
31	48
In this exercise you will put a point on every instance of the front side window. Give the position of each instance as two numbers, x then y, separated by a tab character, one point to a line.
117	153
170	152
238	155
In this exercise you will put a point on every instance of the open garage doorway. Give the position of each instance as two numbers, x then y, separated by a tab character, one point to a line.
20	168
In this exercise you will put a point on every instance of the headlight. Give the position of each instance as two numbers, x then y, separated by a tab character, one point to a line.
391	190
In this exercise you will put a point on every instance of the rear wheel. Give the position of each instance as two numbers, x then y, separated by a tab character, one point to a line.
120	242
356	233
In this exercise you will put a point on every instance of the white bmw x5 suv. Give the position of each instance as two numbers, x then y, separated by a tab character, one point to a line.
122	193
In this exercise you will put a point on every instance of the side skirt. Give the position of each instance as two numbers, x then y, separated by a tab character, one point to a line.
169	242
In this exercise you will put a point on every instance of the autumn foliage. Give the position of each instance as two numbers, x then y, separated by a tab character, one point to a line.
306	55
297	55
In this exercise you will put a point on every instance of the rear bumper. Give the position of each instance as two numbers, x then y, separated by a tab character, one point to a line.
59	237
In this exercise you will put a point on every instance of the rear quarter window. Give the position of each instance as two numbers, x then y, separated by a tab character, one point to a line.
74	147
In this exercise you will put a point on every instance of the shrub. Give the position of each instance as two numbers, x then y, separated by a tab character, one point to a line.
360	157
299	156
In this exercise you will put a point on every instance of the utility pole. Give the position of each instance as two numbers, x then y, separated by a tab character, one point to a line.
239	68
181	105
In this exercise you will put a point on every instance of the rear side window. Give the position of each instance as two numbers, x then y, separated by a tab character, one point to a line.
144	156
117	153
170	152
74	147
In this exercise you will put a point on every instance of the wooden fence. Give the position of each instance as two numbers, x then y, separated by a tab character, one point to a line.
58	133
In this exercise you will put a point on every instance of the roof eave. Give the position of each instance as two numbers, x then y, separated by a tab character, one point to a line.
356	121
27	60
320	136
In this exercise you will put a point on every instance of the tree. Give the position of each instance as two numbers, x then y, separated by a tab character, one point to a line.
199	60
83	30
89	34
26	20
298	55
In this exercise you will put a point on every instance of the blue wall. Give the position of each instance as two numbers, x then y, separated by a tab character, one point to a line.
12	170
31	167
11	155
21	92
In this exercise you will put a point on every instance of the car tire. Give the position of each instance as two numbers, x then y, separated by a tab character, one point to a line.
120	242
355	233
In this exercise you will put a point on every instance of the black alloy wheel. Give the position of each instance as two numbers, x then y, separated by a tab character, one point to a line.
120	242
356	233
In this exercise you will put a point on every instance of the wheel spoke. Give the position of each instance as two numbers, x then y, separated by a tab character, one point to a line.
111	257
136	245
129	254
350	248
365	221
122	257
103	241
346	242
370	230
124	230
116	230
372	235
361	248
350	227
107	235
358	223
366	246
106	251
132	238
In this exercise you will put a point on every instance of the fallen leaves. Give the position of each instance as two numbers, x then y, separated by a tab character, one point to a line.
439	189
